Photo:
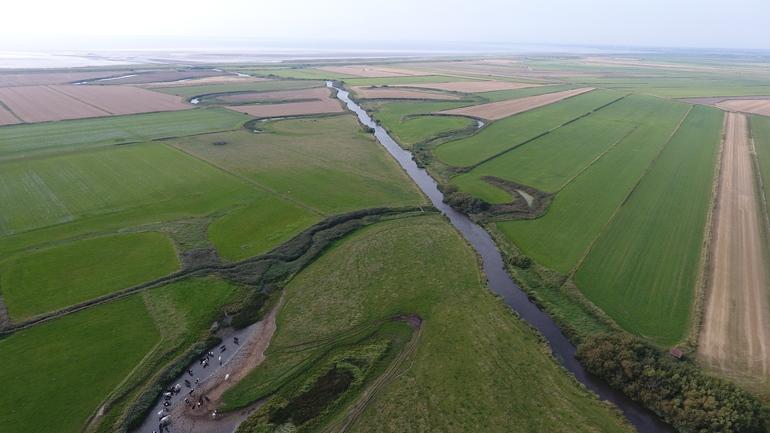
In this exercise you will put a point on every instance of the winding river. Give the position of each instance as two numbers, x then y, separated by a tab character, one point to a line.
501	283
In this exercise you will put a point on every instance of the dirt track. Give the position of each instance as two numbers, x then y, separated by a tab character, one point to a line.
735	334
499	110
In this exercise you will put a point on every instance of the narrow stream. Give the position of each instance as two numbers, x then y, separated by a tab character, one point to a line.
501	283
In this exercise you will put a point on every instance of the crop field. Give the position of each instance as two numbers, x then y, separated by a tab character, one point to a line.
760	132
26	140
322	106
507	133
501	95
328	164
643	268
218	79
560	238
550	162
50	279
251	86
475	86
399	119
34	78
61	189
501	109
363	92
57	373
46	103
467	338
753	106
276	96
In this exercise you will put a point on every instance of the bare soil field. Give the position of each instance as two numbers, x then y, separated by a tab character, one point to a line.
220	79
279	95
7	118
31	78
62	102
161	76
501	109
42	103
323	106
473	86
754	106
371	71
395	93
735	334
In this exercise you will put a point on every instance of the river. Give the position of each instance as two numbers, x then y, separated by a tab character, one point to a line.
501	283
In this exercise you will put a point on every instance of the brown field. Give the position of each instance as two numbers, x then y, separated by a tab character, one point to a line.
498	110
472	86
32	78
278	95
327	105
735	334
143	77
371	71
395	93
62	102
7	118
754	106
220	79
43	103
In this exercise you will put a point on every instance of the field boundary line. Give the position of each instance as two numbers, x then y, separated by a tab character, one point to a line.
704	267
109	113
13	113
249	181
628	195
544	133
595	160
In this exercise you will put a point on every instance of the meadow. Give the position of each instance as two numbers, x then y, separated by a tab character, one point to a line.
254	86
760	132
510	132
405	80
421	266
28	140
643	268
328	164
53	278
296	73
398	118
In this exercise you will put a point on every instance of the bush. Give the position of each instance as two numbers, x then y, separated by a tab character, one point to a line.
679	393
465	202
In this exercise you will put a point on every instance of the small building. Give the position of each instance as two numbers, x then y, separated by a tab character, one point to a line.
676	353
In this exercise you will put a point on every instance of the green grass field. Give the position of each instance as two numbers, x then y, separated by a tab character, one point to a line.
550	162
54	375
501	95
413	79
258	227
579	212
643	268
300	73
256	86
26	140
760	131
327	163
150	180
50	279
507	133
421	265
412	130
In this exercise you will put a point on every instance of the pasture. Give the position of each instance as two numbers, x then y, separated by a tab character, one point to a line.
45	280
760	132
402	80
304	108
404	120
271	97
422	266
643	268
501	109
363	92
328	164
506	134
371	71
474	86
26	140
299	73
251	86
559	239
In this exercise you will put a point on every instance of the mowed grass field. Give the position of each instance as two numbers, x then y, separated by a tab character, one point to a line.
760	132
512	131
254	86
394	116
328	164
26	140
473	352
580	211
50	279
150	180
56	374
643	268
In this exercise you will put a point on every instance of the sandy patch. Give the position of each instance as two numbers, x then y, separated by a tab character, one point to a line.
42	103
499	110
327	105
754	106
371	71
278	95
735	334
398	93
473	86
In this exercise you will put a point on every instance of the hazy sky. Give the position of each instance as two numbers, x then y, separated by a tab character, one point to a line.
684	23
